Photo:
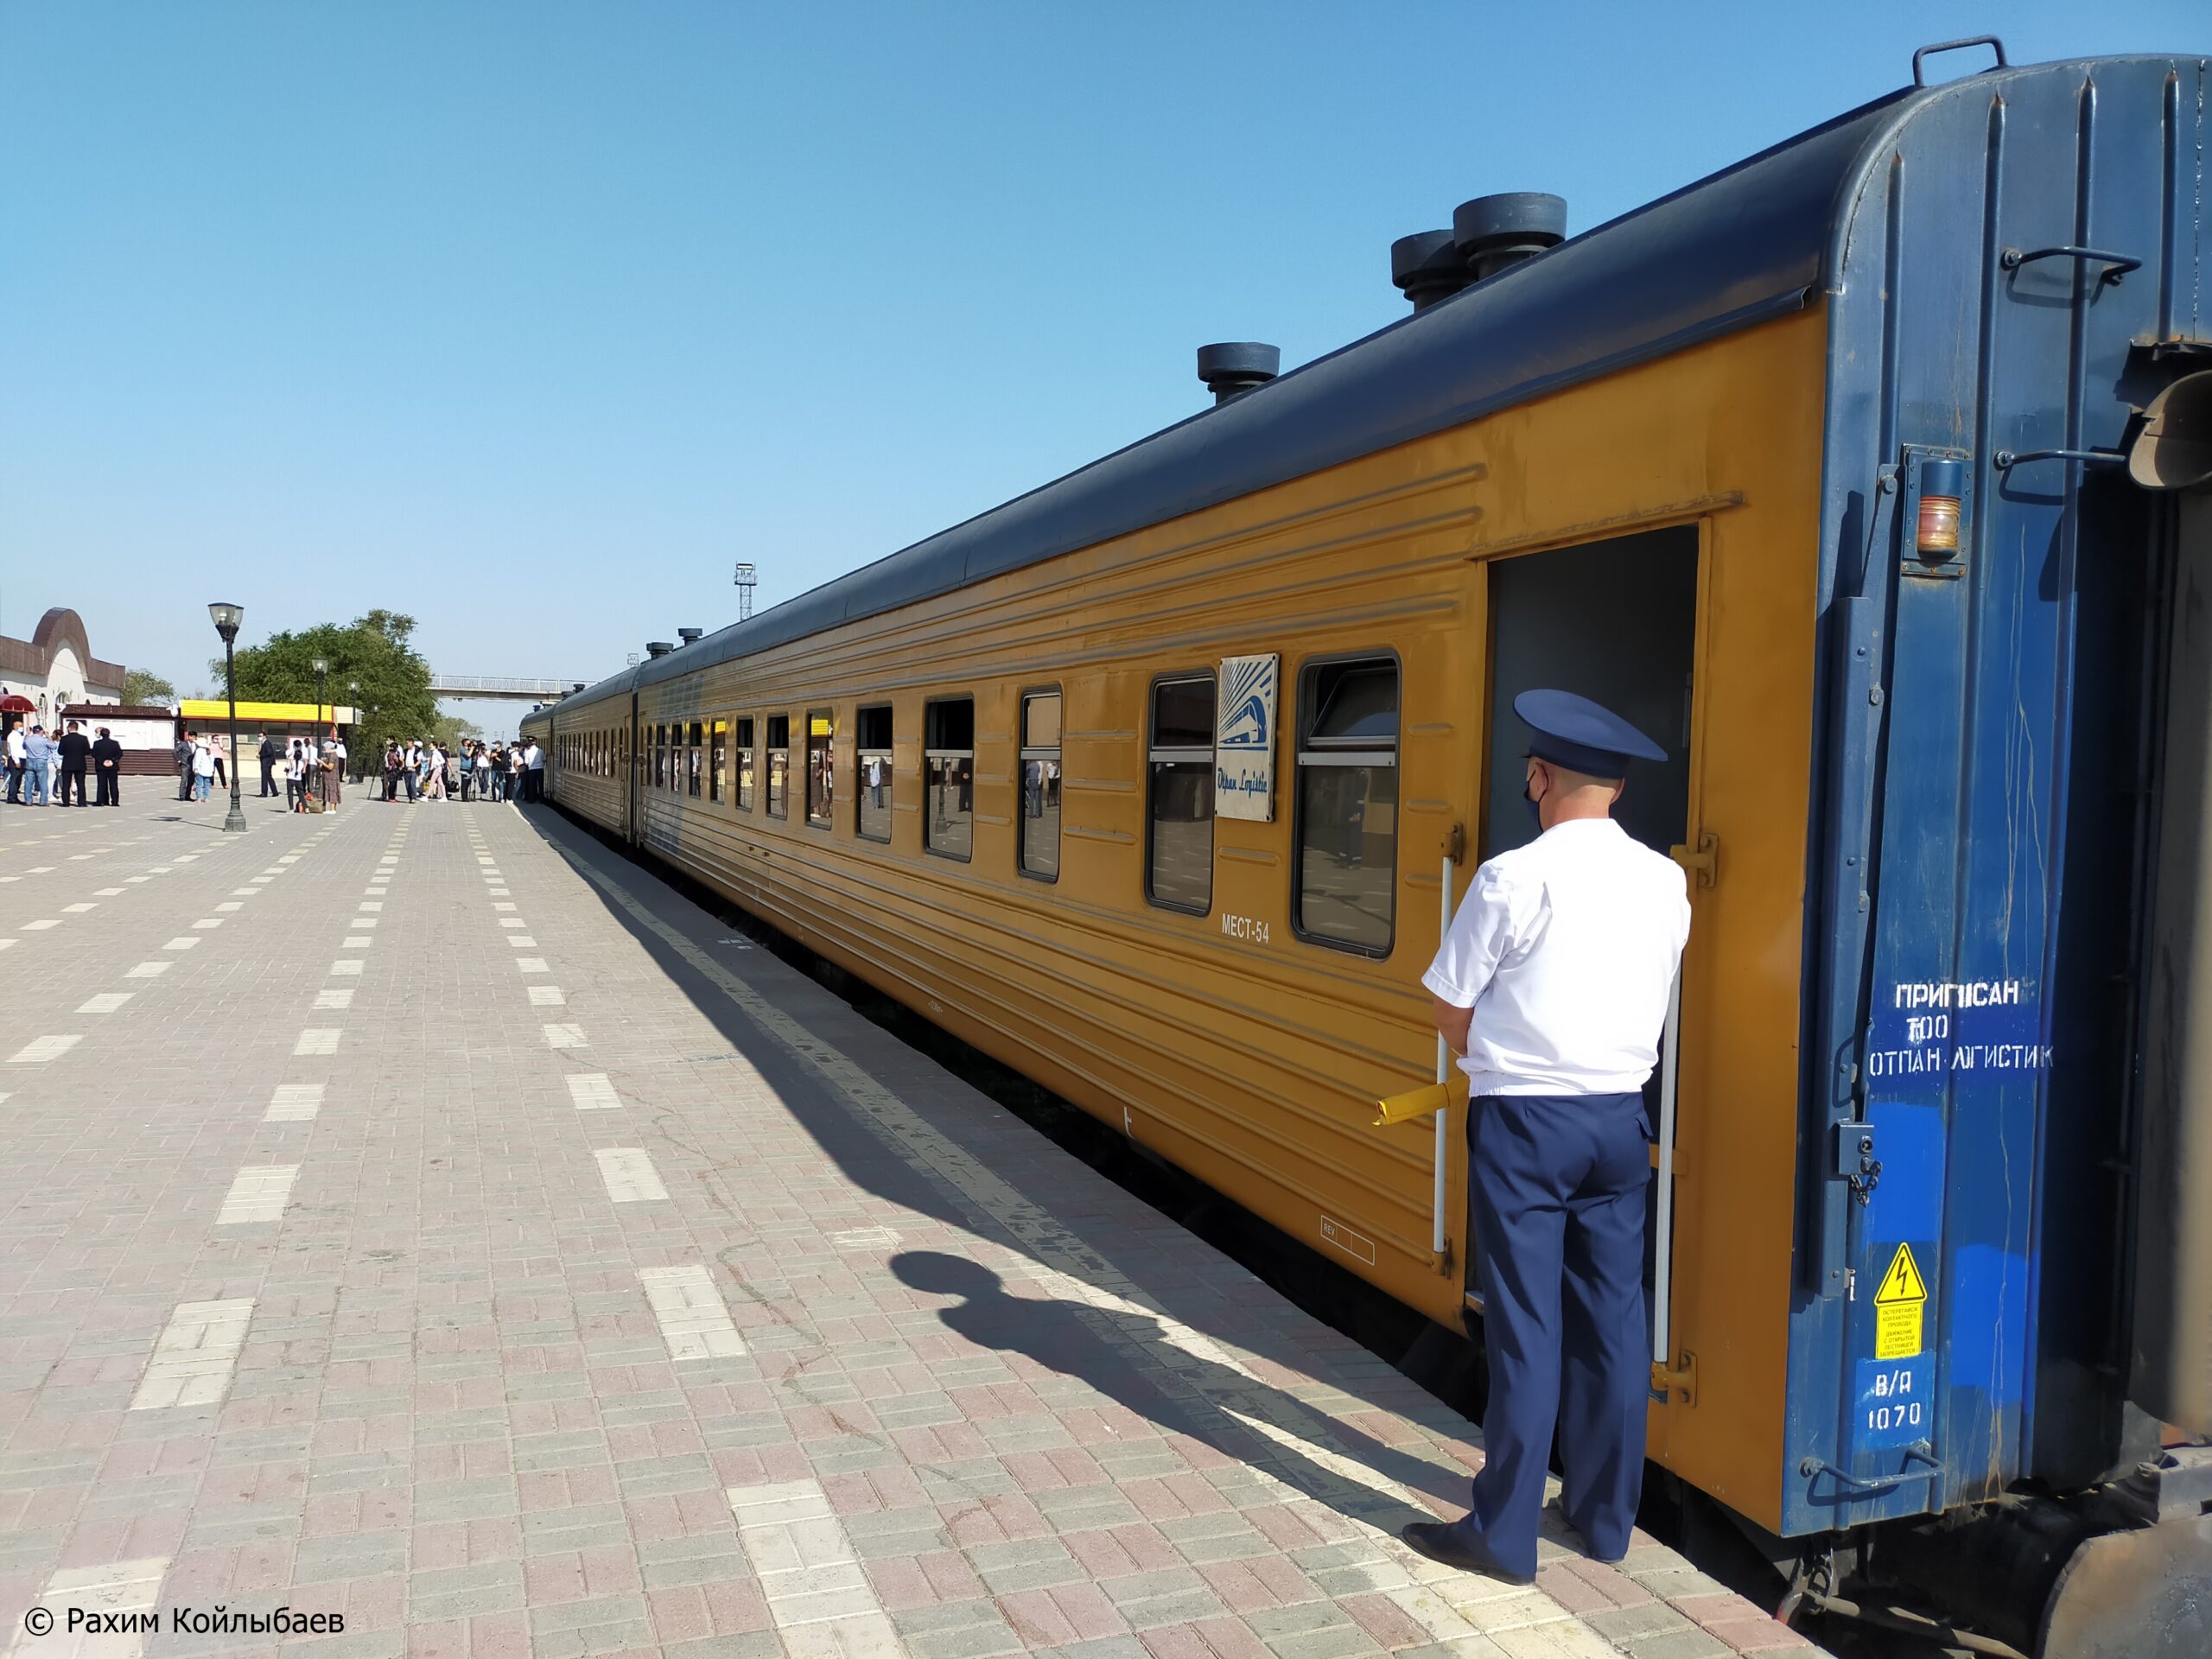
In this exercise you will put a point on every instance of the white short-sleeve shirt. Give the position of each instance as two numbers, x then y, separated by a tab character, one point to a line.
1566	950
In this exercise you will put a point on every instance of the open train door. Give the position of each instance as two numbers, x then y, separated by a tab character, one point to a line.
1615	621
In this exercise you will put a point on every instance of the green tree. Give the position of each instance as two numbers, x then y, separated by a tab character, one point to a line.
142	686
396	700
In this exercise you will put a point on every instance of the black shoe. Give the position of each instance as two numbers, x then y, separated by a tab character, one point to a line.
1458	1547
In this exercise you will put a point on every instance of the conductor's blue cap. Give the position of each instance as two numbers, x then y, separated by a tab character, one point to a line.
1581	735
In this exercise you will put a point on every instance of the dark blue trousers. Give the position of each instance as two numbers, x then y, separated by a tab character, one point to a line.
1560	1183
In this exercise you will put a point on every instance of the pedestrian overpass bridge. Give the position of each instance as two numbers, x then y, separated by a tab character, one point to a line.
510	689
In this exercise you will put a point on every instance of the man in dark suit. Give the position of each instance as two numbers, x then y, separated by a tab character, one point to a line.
76	752
107	763
272	752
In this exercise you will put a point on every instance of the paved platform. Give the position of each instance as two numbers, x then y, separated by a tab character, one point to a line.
420	1215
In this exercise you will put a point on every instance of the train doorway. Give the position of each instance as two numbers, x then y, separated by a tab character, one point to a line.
1616	621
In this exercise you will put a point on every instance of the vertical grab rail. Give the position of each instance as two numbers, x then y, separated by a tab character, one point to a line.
1662	1264
1437	1241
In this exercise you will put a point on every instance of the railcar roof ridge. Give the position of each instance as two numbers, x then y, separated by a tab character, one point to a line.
1755	240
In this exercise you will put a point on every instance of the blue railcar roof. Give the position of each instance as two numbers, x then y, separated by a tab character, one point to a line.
1750	242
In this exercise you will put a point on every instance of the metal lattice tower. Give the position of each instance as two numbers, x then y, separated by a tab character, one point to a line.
746	579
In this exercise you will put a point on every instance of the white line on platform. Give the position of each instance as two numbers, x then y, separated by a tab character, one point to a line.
244	893
345	965
39	926
135	880
864	1238
105	1003
259	1193
107	892
182	942
317	1039
369	904
5	944
148	971
229	905
532	965
334	1000
194	1355
207	922
565	1037
592	1092
521	942
513	921
546	996
505	904
695	1321
361	921
809	1573
40	1050
497	893
111	1587
630	1175
293	1103
289	858
355	942
80	908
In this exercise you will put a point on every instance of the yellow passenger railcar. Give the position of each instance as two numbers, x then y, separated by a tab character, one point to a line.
1149	784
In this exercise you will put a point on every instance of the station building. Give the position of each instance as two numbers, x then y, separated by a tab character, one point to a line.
53	670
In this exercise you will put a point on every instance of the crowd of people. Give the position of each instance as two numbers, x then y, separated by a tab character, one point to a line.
43	769
471	771
46	770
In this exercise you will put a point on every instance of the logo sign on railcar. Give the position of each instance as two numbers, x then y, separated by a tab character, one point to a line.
1244	738
1930	1032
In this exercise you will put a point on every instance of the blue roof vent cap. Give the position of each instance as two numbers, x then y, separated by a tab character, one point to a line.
1427	266
1495	232
1234	366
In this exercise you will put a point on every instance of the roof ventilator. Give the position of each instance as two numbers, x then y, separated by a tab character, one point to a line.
658	647
1235	366
690	636
1495	232
1427	266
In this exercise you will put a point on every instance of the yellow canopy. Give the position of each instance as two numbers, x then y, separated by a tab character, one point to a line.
304	714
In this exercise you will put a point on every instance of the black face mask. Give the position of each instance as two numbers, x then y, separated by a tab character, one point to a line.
1535	807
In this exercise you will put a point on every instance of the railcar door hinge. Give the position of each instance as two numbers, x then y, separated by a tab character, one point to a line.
1677	1381
1855	1160
1702	862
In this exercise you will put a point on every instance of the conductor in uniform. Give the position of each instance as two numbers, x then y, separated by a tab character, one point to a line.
1553	985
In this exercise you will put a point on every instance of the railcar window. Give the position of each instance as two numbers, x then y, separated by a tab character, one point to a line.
872	814
1040	785
694	758
718	744
821	768
780	765
1347	805
949	749
1178	856
660	757
744	764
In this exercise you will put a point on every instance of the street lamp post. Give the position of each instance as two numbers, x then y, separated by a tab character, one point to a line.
227	618
353	691
321	667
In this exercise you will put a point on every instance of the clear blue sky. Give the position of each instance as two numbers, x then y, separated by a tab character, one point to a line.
529	319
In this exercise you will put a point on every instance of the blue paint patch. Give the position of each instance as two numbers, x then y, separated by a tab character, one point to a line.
1987	1337
1907	1205
1895	1403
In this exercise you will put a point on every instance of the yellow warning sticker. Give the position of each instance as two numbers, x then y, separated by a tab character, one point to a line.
1897	1308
